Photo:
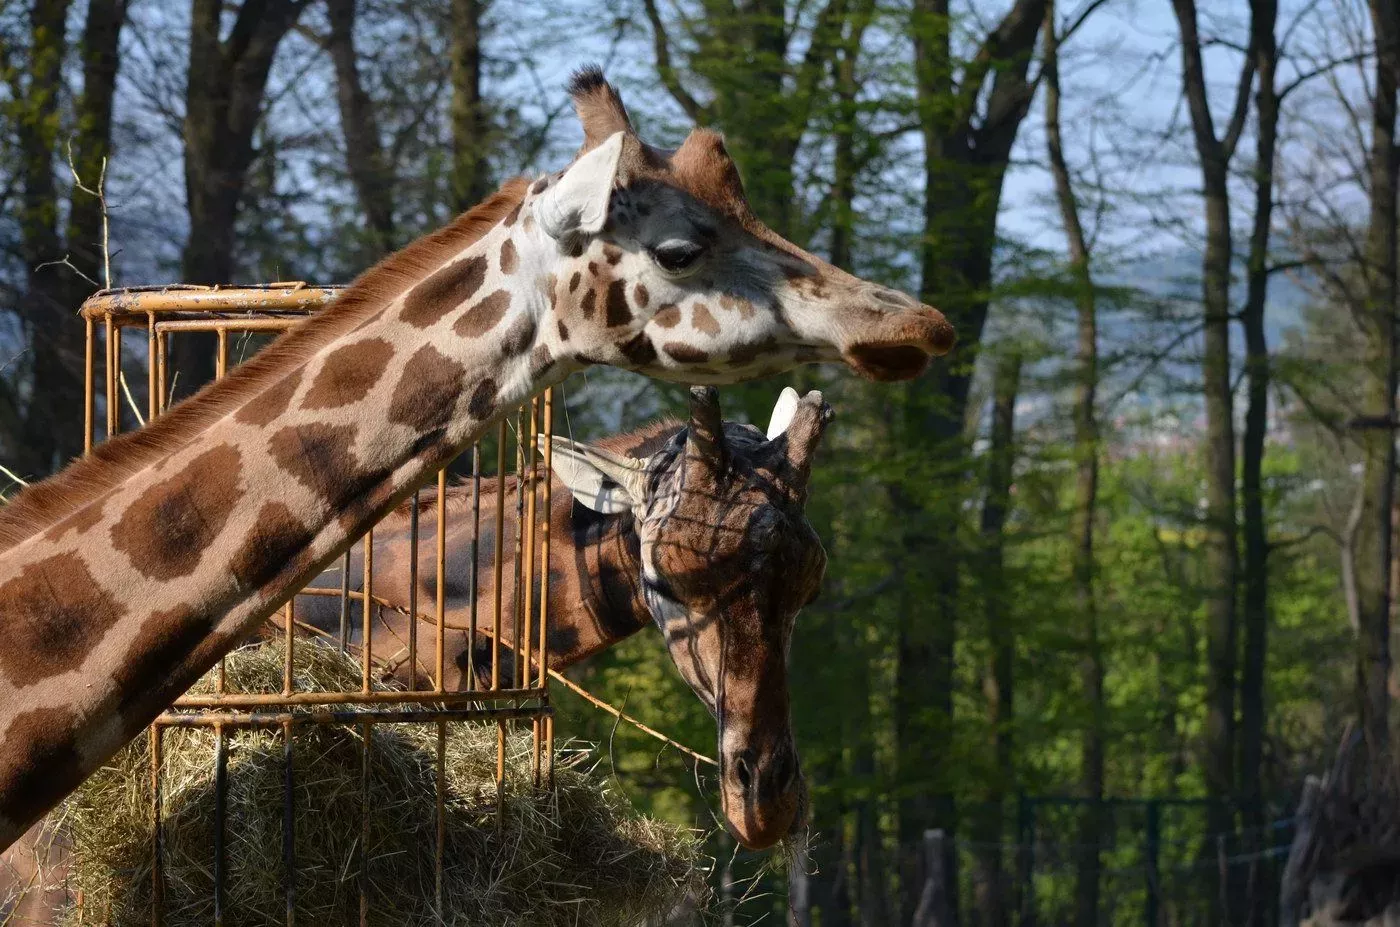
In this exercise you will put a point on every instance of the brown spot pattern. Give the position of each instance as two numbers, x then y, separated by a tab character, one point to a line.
426	395
40	764
54	612
668	315
640	296
617	311
574	281
514	214
540	361
277	536
686	354
266	407
444	291
84	519
703	320
588	304
165	532
563	331
483	316
508	257
640	351
483	401
319	457
166	641
348	374
612	254
518	337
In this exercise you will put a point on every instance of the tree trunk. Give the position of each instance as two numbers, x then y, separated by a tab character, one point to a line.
967	135
1221	555
991	890
471	125
364	156
1086	487
1373	539
223	106
55	368
1256	420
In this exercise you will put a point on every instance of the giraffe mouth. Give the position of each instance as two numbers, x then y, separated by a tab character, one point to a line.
903	348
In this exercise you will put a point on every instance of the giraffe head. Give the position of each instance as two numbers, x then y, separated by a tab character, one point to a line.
728	559
652	260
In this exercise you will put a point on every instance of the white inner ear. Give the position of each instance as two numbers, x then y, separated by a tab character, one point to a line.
600	480
578	203
782	412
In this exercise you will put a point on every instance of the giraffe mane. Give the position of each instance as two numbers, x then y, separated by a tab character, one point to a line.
114	461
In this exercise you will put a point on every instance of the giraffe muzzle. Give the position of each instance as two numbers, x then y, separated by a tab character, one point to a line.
903	343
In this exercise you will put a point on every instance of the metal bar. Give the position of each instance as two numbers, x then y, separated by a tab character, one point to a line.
474	568
406	716
345	602
162	362
288	631
367	612
441	798
89	377
157	841
222	326
289	852
368	732
517	566
544	535
221	359
152	390
113	352
528	529
440	604
377	697
499	564
220	814
136	301
413	593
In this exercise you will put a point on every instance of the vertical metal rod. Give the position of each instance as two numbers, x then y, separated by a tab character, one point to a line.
413	594
528	529
345	601
221	359
367	733
157	844
289	634
367	619
113	352
220	815
517	567
440	606
162	362
152	390
499	564
543	683
289	852
441	850
220	368
89	376
474	568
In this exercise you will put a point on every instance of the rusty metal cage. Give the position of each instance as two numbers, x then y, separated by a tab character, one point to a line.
230	313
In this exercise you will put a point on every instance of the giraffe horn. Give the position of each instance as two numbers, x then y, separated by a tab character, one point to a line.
705	452
599	106
809	421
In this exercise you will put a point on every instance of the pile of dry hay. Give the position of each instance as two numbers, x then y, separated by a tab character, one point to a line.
580	855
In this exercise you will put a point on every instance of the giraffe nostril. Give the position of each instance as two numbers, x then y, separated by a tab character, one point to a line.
743	769
894	298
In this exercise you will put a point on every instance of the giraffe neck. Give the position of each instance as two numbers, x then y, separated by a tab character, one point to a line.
125	599
595	595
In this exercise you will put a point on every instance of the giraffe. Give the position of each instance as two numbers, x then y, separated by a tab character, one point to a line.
128	574
698	528
758	542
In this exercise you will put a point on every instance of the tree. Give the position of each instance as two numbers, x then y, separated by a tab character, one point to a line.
471	125
223	107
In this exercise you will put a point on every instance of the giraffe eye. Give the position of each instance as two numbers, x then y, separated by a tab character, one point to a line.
676	256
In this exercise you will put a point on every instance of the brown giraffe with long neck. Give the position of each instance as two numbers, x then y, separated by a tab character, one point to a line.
127	575
705	537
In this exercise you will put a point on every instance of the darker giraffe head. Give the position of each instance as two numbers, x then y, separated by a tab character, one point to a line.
728	559
658	265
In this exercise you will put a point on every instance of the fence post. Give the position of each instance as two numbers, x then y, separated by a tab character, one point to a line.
935	899
1152	858
1025	852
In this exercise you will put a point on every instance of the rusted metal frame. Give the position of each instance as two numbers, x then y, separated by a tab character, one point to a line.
157	832
440	599
474	561
528	529
114	372
367	613
224	326
89	376
289	653
367	735
413	592
496	617
543	682
162	372
220	813
376	697
240	719
220	369
152	388
134	302
517	567
344	601
289	833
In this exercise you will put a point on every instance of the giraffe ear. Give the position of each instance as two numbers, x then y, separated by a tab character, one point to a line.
600	480
782	413
578	203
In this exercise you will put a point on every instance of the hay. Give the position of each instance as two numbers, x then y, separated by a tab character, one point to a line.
580	855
